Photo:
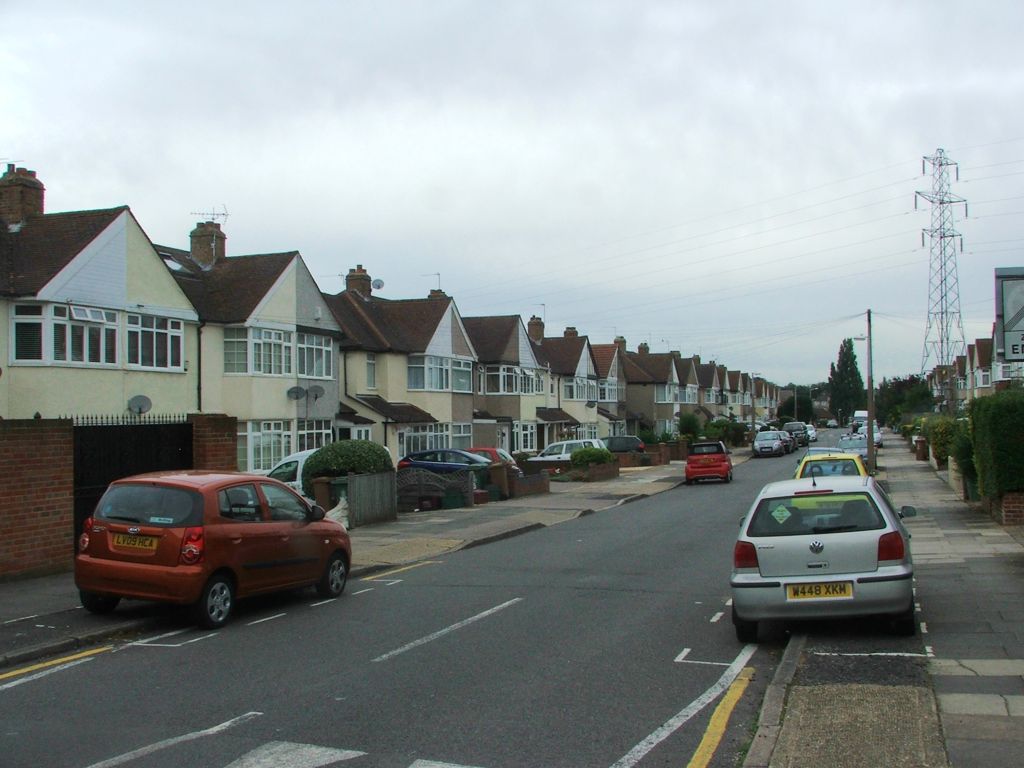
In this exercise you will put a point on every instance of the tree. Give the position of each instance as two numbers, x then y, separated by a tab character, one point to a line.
804	407
898	398
845	385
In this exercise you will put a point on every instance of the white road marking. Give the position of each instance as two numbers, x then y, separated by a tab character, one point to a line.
432	764
324	602
715	619
684	654
924	628
23	618
638	752
44	673
728	602
285	754
924	655
447	630
361	591
151	748
151	641
148	640
267	618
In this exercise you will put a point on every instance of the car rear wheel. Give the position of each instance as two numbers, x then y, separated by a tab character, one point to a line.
335	575
215	604
728	477
746	631
99	604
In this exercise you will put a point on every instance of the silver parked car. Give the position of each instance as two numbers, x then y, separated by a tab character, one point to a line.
822	548
768	443
562	451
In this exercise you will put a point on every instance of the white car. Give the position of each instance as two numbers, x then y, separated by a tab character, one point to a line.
812	433
562	451
823	547
289	469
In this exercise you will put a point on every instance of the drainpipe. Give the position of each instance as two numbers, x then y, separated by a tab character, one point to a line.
199	366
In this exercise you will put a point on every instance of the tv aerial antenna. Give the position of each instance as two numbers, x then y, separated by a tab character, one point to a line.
214	215
434	274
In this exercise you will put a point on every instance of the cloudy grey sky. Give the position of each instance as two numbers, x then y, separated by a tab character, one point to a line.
729	179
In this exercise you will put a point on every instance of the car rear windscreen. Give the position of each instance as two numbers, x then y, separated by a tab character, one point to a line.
815	514
151	505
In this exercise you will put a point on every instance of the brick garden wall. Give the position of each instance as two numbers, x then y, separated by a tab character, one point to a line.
37	504
36	496
1009	510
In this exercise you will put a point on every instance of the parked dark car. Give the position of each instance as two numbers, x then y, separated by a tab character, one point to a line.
798	430
443	460
624	444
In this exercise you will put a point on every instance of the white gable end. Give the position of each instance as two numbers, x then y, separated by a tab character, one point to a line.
95	276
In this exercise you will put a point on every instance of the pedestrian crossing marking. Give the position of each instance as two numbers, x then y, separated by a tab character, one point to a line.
275	754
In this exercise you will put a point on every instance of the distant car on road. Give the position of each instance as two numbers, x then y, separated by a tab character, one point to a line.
822	549
709	459
443	460
830	465
497	456
798	430
853	444
563	450
812	433
832	424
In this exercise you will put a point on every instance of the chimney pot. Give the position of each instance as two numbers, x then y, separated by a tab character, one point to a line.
571	333
535	329
207	244
21	195
643	348
358	281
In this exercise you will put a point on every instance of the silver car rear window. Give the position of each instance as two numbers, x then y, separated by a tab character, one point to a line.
151	505
815	514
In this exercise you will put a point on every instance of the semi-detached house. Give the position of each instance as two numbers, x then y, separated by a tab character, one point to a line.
266	348
573	385
407	368
90	319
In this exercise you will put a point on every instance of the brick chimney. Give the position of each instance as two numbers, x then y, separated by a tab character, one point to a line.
643	349
358	281
437	293
207	244
620	342
571	333
535	329
21	195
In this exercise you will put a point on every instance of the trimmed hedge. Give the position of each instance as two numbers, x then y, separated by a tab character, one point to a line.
940	431
998	423
344	457
584	457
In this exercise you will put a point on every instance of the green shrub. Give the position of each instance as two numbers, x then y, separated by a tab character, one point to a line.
997	423
356	457
939	431
648	436
584	457
962	450
689	425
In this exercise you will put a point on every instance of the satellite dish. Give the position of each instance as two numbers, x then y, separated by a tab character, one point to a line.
139	404
316	391
377	284
296	393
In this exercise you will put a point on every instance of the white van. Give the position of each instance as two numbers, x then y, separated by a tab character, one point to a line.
289	469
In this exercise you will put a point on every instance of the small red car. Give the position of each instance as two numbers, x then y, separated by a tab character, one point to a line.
708	459
204	539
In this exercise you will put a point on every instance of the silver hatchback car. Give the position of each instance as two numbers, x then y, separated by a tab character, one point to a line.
822	548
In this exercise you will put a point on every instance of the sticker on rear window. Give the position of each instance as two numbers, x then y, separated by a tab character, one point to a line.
161	520
781	514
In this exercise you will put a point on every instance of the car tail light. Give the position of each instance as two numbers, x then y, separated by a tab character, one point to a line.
403	463
83	540
642	447
192	546
744	555
890	547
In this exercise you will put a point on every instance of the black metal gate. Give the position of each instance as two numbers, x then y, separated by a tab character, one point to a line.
108	448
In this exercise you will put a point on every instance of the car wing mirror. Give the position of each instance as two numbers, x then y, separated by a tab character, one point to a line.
908	511
317	513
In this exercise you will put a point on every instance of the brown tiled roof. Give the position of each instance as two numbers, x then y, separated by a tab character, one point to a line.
495	338
231	290
634	373
348	413
562	353
385	325
44	245
984	349
604	356
398	413
657	365
706	375
554	416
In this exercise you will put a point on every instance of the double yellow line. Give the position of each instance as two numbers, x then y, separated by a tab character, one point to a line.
720	719
54	663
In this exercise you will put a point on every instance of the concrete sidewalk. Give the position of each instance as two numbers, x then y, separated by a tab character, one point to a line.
969	713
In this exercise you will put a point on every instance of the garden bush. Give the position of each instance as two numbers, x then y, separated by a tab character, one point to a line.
344	457
962	450
689	426
584	457
997	423
939	431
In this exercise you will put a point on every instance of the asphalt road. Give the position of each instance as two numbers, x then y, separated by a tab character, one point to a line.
593	643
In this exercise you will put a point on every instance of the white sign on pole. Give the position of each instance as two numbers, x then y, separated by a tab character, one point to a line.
1010	314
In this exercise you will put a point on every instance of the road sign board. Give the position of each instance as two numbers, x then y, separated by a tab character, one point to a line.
1010	314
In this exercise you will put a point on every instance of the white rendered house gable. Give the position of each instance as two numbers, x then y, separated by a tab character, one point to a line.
277	310
450	339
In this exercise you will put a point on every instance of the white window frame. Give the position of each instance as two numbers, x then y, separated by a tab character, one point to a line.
163	337
462	436
524	436
236	350
371	370
424	437
266	442
61	329
312	433
271	352
314	356
462	376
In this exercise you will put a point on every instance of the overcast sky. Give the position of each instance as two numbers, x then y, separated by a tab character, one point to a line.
730	179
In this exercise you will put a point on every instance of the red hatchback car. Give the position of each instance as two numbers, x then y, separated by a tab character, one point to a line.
204	539
708	459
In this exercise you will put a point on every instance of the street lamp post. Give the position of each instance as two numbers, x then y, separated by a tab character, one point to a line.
872	459
753	407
